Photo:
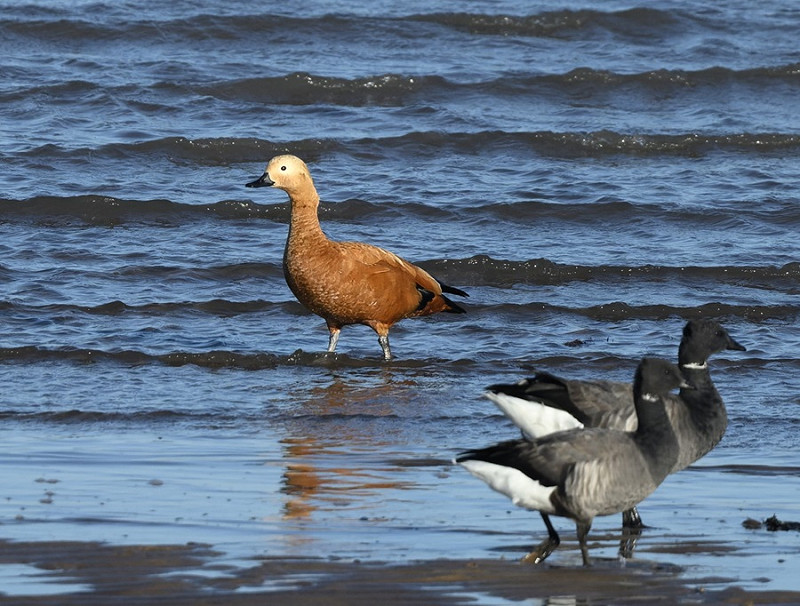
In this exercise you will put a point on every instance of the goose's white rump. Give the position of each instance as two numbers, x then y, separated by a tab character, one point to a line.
522	490
534	418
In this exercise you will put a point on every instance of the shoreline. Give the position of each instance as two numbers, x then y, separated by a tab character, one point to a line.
73	572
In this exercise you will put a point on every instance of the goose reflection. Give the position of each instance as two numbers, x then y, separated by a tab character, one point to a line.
329	447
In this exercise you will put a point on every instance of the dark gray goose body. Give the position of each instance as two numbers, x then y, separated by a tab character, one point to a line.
546	403
583	473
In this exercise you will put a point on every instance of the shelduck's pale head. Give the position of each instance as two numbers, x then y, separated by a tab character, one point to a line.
288	173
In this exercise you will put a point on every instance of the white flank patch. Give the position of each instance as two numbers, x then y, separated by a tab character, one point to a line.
696	366
522	490
533	418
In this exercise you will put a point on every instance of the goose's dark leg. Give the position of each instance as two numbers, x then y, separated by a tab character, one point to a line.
546	547
631	519
628	541
583	530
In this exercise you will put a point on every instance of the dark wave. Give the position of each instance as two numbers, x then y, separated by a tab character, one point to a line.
303	88
107	210
611	311
176	273
80	417
712	76
484	270
306	88
65	26
617	212
216	307
225	151
634	22
618	311
397	89
479	270
755	469
208	151
300	88
215	417
210	359
216	360
599	143
196	31
55	211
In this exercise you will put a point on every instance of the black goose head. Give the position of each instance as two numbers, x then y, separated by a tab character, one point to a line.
655	378
701	339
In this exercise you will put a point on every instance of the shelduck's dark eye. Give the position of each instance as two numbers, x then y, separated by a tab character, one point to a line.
283	168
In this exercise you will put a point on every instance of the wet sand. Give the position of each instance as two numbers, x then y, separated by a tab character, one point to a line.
194	519
97	573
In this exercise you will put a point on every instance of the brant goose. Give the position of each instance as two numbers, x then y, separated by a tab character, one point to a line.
583	473
546	403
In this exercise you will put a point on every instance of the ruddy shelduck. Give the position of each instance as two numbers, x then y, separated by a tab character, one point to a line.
347	282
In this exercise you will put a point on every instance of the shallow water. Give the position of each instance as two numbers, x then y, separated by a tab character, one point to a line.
593	175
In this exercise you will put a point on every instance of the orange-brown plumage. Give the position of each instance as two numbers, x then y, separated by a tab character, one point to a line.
347	282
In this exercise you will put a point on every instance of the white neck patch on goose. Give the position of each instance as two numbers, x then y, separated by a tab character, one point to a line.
696	366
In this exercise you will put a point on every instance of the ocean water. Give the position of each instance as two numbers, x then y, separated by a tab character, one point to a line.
593	174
